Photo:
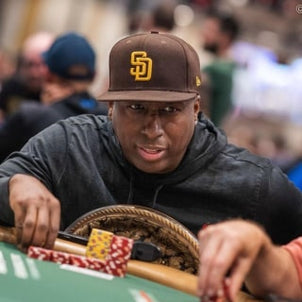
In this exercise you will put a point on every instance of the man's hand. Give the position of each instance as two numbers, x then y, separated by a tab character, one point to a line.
36	210
227	252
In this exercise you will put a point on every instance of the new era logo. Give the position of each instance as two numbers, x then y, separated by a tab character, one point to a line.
142	70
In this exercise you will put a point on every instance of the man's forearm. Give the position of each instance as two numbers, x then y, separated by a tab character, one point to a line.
274	271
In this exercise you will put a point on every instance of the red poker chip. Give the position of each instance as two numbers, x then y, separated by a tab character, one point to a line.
79	261
226	294
60	257
97	265
90	263
39	253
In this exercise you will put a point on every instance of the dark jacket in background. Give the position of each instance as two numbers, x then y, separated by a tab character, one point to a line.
13	93
32	117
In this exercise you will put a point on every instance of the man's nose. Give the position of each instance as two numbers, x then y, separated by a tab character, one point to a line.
152	126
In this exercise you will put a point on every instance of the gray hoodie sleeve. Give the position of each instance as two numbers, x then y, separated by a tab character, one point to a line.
37	158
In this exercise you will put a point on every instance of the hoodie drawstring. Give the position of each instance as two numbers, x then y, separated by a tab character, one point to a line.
130	195
156	194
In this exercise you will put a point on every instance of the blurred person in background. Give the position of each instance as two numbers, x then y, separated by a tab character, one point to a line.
219	32
160	18
26	83
71	70
7	68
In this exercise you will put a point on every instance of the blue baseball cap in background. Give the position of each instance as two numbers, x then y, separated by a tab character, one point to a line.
72	57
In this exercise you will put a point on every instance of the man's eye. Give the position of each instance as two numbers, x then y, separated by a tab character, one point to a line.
169	109
136	107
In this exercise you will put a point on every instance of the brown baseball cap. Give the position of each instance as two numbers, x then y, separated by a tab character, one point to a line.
152	67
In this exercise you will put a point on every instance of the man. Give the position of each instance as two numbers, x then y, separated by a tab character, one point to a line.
71	69
219	32
160	18
154	149
7	65
238	250
26	83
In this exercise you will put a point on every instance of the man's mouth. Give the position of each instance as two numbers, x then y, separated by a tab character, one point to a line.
150	154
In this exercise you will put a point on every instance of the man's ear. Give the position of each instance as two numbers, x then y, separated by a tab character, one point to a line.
197	104
110	109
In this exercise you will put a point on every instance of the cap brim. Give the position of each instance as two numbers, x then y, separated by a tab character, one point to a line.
147	96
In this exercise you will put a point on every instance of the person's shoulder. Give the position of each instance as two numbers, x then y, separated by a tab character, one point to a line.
85	120
85	126
245	156
28	105
35	111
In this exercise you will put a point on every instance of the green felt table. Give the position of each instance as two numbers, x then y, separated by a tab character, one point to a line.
26	279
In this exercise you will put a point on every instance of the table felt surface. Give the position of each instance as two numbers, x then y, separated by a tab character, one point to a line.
26	279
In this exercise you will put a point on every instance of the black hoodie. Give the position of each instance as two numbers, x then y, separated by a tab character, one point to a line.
81	163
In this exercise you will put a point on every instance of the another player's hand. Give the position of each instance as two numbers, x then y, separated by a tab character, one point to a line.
227	252
36	210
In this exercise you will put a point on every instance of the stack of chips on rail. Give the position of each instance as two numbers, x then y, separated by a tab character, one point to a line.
105	252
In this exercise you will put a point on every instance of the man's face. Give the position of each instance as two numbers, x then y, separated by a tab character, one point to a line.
154	135
211	35
33	70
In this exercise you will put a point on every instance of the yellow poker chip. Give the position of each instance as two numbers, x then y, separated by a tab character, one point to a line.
99	243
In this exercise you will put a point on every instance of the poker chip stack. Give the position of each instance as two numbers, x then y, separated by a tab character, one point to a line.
105	252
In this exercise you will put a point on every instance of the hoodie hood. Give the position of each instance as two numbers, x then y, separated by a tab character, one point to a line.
206	143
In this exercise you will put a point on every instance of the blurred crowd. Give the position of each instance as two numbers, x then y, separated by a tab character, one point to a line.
250	86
